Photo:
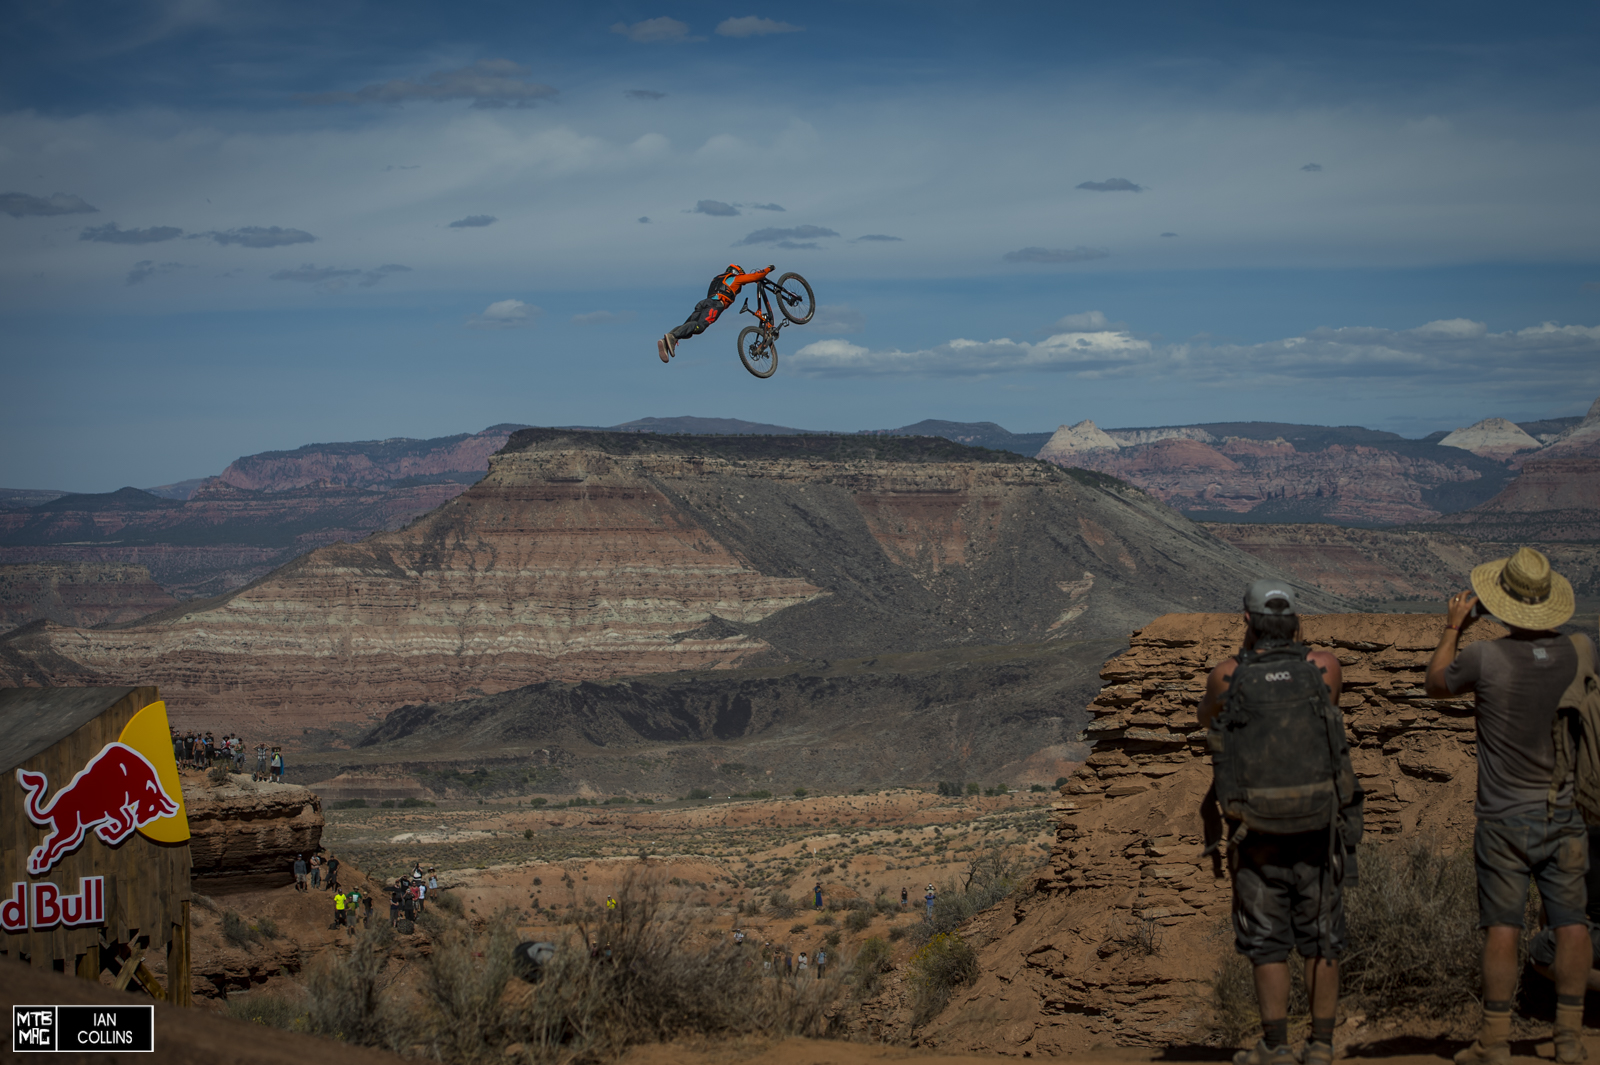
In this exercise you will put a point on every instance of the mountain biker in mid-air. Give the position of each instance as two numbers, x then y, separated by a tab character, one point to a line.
719	297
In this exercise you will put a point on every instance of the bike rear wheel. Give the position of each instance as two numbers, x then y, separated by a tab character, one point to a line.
758	352
793	287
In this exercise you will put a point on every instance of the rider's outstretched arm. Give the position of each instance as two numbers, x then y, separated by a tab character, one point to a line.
745	279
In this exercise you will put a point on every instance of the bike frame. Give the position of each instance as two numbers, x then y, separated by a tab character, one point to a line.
771	324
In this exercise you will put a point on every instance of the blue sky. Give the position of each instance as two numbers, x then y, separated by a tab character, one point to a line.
226	228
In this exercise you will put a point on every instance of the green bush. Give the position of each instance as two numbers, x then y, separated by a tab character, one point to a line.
344	997
799	793
217	774
1414	948
943	964
699	793
446	901
618	800
761	793
947	787
268	928
1037	787
413	803
858	920
871	962
537	801
973	788
898	932
348	804
527	833
647	802
781	905
236	931
387	804
1062	781
272	1009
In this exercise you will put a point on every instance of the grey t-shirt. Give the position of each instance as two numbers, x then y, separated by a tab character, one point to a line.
1518	680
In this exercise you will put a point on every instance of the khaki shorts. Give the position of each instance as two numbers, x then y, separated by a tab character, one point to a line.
1553	852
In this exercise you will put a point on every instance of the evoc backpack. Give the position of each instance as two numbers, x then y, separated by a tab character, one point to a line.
1278	748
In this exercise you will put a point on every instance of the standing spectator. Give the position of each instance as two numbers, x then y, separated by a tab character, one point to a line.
817	890
408	903
433	881
261	763
300	872
822	961
903	897
1528	826
1284	774
422	896
366	909
277	765
788	962
316	871
397	897
352	910
414	893
929	899
339	901
238	754
738	937
802	964
332	866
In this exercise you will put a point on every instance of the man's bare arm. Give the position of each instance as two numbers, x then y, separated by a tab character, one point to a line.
1216	688
1458	615
1332	675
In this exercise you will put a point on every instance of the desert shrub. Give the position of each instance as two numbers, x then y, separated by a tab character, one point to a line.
273	1009
870	963
1037	787
826	919
650	988
413	803
344	997
217	774
857	920
973	788
897	933
698	793
387	804
761	793
527	833
237	931
947	787
348	804
446	901
1413	943
798	929
886	904
781	905
463	982
617	800
831	940
800	793
998	789
268	928
941	965
538	801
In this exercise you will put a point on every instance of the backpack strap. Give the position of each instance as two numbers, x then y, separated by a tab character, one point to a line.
1569	722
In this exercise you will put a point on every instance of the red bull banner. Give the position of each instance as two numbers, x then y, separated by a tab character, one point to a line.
131	785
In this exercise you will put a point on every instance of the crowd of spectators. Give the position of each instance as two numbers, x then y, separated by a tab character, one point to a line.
203	751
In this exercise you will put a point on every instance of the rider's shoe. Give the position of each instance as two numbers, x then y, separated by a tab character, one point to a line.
661	349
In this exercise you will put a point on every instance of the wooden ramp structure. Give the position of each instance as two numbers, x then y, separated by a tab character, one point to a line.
94	836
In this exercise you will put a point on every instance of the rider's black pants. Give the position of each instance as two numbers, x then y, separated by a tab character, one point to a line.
705	312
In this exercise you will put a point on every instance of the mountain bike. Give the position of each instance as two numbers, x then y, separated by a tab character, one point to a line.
758	344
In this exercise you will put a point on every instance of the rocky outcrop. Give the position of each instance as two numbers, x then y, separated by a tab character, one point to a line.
369	463
1275	478
245	836
77	593
262	511
1492	438
220	538
1554	499
1123	929
1076	440
590	555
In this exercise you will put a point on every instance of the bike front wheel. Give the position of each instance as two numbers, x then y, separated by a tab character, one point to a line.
758	352
795	299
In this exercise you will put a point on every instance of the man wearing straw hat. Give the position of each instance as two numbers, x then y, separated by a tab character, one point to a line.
1517	682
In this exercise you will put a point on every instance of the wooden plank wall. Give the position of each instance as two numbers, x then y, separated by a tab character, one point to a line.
147	883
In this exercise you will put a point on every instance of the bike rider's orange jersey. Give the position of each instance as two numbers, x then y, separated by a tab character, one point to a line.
725	286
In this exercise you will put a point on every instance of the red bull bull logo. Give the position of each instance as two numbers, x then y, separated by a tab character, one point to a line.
114	795
42	906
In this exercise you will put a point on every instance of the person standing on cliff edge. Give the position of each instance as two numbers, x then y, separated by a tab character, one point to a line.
1528	826
1289	798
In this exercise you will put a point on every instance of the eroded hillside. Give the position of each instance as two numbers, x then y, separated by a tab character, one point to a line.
589	555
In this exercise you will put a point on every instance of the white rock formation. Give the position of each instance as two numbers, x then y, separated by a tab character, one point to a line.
1492	438
1075	440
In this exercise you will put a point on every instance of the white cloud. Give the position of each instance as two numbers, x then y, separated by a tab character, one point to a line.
1055	255
488	83
505	314
661	30
754	26
603	317
1087	346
